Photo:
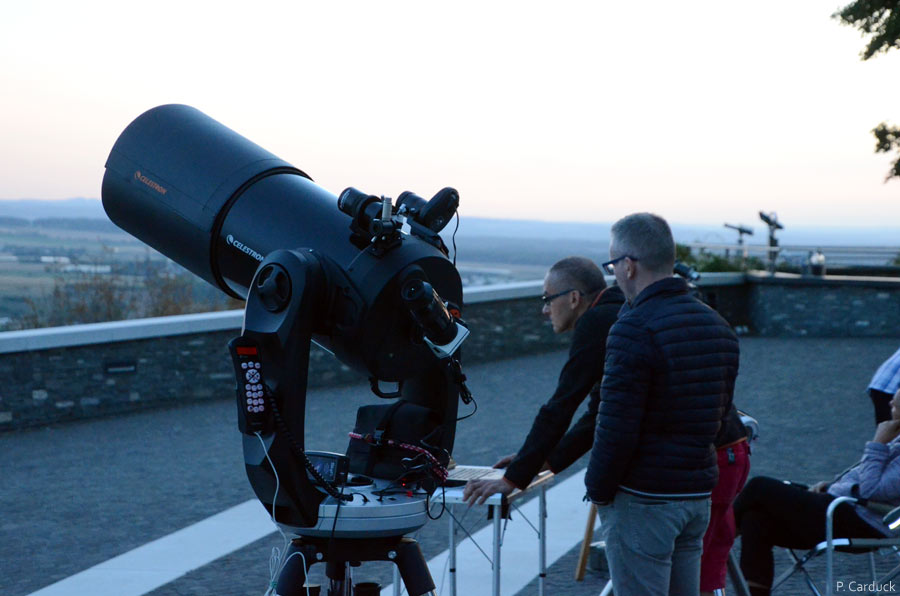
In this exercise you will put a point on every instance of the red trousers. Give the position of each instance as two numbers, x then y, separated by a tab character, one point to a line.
734	466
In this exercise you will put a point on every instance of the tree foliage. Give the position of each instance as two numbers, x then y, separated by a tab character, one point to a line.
887	139
145	288
880	21
705	261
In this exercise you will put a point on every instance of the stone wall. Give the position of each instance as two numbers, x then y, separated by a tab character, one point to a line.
797	306
54	375
82	371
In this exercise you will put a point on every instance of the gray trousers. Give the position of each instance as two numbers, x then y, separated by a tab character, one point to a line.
654	546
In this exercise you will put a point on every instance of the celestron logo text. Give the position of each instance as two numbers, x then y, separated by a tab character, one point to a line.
243	248
150	183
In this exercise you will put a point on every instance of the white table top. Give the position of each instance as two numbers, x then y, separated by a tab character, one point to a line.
454	495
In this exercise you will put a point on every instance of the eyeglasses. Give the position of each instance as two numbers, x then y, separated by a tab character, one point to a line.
608	266
548	299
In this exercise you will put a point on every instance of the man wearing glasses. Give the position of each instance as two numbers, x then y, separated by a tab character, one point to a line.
668	382
575	298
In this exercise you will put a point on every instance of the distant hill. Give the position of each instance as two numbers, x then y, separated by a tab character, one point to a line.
81	224
685	233
596	232
65	208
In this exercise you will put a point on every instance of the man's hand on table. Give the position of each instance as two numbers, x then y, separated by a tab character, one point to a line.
478	491
504	461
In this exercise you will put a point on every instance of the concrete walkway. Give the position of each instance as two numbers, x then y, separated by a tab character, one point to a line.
83	495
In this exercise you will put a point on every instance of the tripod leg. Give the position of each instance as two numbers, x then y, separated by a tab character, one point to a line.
413	568
336	571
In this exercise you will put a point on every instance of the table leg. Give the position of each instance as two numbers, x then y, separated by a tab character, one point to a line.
542	525
452	551
398	581
498	515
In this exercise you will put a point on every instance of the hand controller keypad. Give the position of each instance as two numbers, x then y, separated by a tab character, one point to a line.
251	387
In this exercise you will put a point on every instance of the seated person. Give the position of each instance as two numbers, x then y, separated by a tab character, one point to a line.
772	512
883	385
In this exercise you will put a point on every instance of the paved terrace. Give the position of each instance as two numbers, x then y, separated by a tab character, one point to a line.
77	495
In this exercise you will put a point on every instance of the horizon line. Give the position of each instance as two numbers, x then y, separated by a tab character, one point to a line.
512	219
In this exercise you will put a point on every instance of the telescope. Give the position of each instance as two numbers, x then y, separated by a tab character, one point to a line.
741	230
367	279
771	220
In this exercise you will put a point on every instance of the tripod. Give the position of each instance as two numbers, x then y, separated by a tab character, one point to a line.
337	553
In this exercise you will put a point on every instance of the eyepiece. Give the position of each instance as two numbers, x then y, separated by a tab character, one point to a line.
434	214
351	201
429	311
686	271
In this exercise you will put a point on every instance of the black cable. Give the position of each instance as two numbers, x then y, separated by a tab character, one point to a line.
334	587
299	452
396	481
472	413
337	512
453	239
443	504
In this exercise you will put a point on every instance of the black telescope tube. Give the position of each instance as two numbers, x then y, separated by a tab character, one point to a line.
218	204
202	195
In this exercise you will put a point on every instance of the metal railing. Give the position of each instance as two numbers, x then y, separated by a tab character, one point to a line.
871	256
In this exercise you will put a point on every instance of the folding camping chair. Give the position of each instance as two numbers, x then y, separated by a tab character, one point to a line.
848	545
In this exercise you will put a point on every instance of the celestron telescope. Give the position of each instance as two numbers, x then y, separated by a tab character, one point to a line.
367	279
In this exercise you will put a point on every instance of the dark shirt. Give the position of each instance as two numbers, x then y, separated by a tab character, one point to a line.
671	364
732	429
582	372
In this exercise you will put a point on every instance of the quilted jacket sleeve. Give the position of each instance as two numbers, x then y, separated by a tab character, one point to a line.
626	385
583	368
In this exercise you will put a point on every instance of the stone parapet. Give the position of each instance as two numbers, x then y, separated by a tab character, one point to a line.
831	306
81	371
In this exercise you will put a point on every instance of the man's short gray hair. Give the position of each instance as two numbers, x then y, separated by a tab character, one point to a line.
580	274
647	238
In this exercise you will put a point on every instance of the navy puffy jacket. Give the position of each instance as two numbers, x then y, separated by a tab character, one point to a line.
671	363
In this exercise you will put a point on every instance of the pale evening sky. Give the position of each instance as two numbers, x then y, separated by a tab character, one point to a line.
702	111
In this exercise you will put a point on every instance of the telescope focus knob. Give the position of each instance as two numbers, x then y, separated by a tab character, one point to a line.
274	288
